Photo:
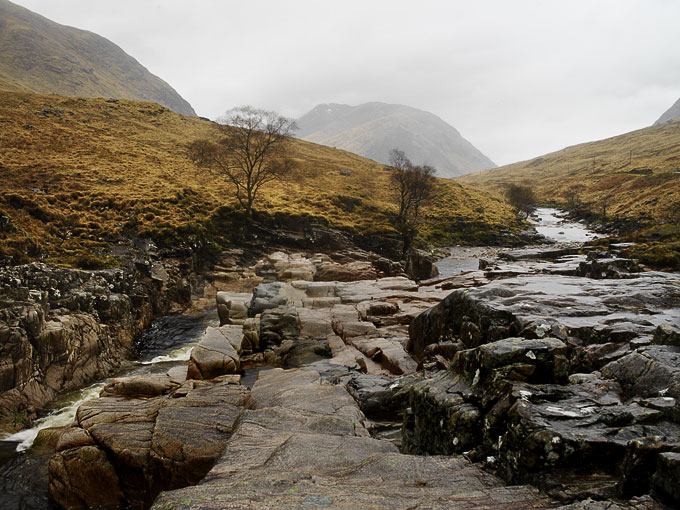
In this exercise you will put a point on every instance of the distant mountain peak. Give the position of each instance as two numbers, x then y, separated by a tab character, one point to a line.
46	57
671	113
372	129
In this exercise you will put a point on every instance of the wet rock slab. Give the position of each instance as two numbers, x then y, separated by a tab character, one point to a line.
217	353
589	311
298	448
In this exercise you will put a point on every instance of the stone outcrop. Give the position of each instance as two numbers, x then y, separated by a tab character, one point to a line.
513	403
588	312
554	382
218	353
232	308
126	447
62	328
303	444
551	372
361	325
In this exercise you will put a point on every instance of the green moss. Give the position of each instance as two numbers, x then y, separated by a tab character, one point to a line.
90	261
664	256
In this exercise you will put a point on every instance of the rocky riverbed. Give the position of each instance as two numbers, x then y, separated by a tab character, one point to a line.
544	378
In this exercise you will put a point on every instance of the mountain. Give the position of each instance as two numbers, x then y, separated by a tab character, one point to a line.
373	129
46	57
671	113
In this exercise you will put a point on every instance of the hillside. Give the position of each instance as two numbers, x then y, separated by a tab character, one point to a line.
78	174
631	181
373	129
637	174
46	57
672	113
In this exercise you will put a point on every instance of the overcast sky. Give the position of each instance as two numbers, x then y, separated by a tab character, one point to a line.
517	78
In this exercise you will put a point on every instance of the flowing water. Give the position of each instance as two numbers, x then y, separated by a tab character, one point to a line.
554	224
550	223
167	343
23	470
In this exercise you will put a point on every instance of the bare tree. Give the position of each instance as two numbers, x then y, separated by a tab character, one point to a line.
253	152
414	186
574	195
520	197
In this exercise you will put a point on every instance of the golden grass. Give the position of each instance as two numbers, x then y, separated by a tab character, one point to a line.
637	175
77	173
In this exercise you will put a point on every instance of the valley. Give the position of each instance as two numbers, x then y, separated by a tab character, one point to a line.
356	309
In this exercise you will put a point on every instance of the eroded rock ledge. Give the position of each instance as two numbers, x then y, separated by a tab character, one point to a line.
566	382
143	435
62	328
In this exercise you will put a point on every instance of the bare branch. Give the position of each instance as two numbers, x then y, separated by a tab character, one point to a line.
251	154
414	186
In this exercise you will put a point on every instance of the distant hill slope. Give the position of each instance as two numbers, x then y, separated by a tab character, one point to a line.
10	86
636	175
373	129
671	113
47	57
76	173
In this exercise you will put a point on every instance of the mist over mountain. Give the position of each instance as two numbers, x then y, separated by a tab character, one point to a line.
671	113
45	57
373	129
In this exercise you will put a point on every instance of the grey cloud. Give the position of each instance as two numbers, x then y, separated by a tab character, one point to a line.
517	79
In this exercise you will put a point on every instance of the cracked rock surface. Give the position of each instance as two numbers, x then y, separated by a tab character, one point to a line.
302	444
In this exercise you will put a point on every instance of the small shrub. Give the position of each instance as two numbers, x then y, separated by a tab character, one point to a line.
346	203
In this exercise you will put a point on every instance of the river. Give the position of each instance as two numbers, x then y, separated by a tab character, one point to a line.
167	343
551	223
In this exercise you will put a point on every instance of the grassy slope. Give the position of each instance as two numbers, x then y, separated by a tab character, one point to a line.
647	186
637	176
78	172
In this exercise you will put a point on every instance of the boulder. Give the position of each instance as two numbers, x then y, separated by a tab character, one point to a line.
420	265
251	336
388	353
82	478
140	386
232	308
348	272
666	479
379	396
649	372
536	361
369	309
665	334
216	354
278	324
265	297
